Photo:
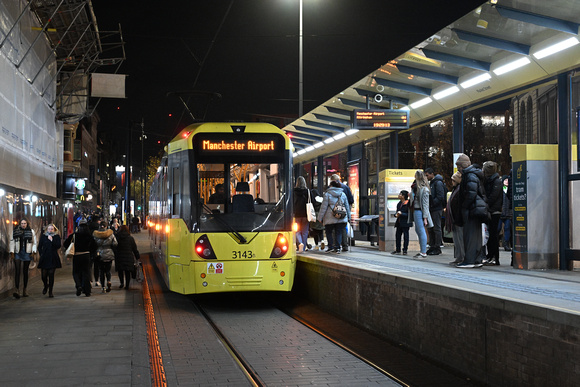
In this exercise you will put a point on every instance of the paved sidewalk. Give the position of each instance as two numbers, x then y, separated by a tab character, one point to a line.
73	341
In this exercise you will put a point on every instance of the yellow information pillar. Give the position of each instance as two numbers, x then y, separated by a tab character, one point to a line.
535	206
391	182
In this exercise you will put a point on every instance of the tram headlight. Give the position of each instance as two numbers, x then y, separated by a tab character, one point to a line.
280	247
203	248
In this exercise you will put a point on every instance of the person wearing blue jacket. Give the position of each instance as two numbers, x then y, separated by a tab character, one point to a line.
402	224
333	224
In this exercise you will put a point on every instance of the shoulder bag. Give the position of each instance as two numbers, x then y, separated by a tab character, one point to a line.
310	212
70	251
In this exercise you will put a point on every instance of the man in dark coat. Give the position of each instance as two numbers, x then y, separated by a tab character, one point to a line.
471	181
494	192
436	205
126	254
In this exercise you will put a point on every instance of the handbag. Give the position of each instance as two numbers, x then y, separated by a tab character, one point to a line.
70	251
339	210
310	212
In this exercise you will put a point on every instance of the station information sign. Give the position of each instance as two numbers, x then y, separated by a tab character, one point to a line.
375	119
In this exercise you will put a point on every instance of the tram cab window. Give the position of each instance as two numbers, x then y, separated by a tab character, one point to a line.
252	199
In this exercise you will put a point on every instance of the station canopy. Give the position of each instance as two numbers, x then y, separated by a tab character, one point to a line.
494	52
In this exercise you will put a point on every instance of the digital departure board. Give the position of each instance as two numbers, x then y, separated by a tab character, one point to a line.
375	119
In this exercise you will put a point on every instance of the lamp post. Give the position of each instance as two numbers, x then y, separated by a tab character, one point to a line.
300	66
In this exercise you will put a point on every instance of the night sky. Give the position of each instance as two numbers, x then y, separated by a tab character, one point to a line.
253	61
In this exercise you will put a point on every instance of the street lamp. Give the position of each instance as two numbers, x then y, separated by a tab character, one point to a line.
300	67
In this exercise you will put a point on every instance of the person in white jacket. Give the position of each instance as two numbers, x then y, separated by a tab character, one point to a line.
22	246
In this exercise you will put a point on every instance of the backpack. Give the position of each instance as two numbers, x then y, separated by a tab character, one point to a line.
339	210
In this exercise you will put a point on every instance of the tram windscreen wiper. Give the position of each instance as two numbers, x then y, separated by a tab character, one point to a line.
239	236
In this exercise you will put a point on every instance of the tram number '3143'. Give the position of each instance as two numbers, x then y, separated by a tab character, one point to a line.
242	255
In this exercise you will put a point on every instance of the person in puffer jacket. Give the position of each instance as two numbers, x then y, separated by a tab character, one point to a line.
471	180
106	240
333	225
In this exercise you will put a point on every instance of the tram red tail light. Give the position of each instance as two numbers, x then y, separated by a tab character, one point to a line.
280	247
203	248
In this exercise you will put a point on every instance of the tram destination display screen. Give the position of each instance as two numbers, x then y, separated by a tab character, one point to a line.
262	146
376	119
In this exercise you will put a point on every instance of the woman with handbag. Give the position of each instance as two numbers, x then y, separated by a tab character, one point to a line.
126	256
420	191
22	246
84	247
301	199
49	260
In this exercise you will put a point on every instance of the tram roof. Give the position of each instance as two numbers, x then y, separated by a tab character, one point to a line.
476	47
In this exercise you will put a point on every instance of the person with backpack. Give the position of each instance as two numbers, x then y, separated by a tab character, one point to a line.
334	214
473	210
350	200
437	202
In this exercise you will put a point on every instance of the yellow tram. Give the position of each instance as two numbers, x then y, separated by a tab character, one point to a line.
220	210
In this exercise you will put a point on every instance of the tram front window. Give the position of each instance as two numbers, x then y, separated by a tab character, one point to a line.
252	198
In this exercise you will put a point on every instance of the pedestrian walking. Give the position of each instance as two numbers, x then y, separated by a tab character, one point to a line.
48	246
106	241
85	247
22	246
126	256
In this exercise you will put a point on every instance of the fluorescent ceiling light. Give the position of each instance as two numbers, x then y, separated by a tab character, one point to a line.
351	131
339	136
318	144
295	154
310	148
446	92
516	64
556	48
329	140
301	152
476	80
420	103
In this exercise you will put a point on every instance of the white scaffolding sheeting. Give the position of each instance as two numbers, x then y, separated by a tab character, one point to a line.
30	137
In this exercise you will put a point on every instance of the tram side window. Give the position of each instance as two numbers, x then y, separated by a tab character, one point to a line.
175	198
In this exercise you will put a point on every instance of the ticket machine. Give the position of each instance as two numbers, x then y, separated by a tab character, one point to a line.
391	182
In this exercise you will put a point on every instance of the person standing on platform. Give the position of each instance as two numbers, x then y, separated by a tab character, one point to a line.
350	200
49	260
126	256
301	195
22	246
494	193
85	248
506	214
402	224
436	204
454	221
421	215
470	189
333	224
317	228
106	241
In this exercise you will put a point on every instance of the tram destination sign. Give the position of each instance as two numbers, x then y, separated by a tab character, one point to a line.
220	145
376	119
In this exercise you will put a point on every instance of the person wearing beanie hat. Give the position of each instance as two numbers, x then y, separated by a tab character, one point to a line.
472	202
462	162
494	194
454	220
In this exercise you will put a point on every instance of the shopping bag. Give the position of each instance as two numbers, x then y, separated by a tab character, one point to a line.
70	251
310	212
349	230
